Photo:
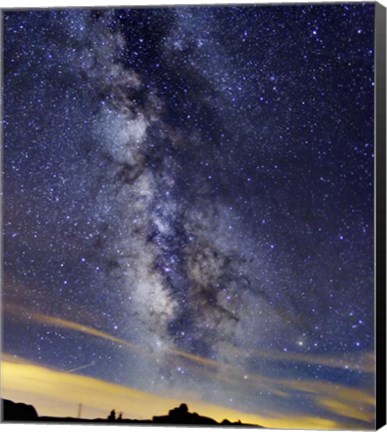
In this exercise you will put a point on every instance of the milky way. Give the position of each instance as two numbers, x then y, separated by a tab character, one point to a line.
197	181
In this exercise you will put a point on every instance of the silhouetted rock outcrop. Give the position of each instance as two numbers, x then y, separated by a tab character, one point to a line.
181	415
18	411
112	415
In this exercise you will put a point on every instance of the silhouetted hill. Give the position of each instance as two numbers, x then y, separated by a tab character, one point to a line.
18	411
178	416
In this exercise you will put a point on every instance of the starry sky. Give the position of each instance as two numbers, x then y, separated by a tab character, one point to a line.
188	211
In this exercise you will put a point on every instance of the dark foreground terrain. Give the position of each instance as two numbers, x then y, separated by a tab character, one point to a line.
20	412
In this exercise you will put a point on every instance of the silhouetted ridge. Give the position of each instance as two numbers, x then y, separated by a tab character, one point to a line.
180	416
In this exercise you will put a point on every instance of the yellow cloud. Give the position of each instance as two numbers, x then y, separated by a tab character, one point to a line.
341	392
338	399
357	412
58	394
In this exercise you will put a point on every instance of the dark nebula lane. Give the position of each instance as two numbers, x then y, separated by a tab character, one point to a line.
198	182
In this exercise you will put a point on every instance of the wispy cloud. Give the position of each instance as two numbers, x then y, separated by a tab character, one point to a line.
363	361
341	404
22	312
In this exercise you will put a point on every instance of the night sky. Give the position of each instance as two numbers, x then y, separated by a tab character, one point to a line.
188	207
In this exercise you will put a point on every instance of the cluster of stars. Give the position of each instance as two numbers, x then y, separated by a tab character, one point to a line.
192	190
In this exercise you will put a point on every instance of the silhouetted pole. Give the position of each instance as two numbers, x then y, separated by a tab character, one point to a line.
79	410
